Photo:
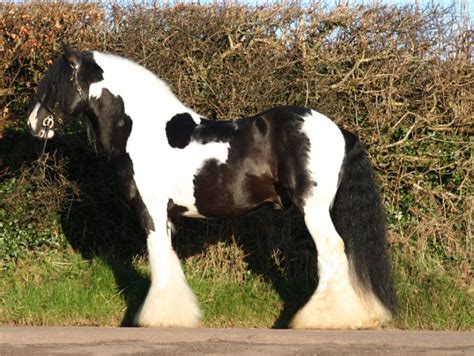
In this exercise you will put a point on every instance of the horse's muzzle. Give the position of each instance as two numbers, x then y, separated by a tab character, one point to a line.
40	127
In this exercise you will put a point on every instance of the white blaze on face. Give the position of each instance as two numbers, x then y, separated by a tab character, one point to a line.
36	126
33	120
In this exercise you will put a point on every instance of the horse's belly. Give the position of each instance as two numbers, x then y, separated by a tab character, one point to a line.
227	190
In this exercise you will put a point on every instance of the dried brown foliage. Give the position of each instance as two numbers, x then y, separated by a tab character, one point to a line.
30	36
400	77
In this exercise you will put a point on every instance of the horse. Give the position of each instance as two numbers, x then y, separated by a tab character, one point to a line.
170	161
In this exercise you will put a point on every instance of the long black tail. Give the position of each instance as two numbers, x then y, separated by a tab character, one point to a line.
359	218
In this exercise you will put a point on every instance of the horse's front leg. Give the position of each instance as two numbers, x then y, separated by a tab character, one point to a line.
169	302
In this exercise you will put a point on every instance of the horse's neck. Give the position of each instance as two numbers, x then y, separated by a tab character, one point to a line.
146	97
131	98
116	112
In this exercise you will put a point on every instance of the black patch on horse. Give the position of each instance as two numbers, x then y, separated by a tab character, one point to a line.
179	130
89	71
175	209
214	131
261	125
112	126
55	91
129	192
267	163
292	146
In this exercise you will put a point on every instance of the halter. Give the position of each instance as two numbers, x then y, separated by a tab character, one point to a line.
50	121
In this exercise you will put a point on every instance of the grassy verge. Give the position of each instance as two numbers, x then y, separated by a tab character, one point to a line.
430	299
60	290
65	289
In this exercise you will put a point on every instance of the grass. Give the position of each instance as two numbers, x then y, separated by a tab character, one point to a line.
61	290
64	268
431	300
66	289
228	304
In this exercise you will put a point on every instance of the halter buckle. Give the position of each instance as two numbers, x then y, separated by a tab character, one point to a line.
48	122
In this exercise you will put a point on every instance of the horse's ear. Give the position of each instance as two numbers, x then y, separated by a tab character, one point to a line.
72	56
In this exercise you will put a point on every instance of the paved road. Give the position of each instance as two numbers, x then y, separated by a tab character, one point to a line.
102	341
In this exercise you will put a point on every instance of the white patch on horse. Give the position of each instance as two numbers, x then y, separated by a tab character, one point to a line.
325	160
32	119
181	185
122	76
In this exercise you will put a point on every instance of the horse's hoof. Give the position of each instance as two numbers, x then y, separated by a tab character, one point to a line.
348	310
169	308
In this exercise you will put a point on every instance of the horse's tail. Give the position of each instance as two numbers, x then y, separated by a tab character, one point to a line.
358	215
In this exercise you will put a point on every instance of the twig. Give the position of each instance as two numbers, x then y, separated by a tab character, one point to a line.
403	140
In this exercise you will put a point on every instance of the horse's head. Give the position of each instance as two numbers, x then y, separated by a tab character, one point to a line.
63	92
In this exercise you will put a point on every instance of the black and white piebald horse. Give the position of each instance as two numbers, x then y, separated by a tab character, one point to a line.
170	161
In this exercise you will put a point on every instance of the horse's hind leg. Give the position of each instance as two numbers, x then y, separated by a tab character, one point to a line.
337	303
169	302
341	300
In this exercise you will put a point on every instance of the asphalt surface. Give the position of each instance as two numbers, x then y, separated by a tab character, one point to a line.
122	341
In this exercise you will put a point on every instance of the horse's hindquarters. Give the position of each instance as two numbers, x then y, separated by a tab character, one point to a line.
352	267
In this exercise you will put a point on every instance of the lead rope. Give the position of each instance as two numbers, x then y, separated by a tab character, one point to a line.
40	159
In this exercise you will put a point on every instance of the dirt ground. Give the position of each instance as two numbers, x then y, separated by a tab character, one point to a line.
97	340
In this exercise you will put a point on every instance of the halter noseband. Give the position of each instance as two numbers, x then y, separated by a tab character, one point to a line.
50	121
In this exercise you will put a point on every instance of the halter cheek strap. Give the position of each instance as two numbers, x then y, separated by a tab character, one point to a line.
74	79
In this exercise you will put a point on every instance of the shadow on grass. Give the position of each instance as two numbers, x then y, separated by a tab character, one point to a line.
276	246
98	224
